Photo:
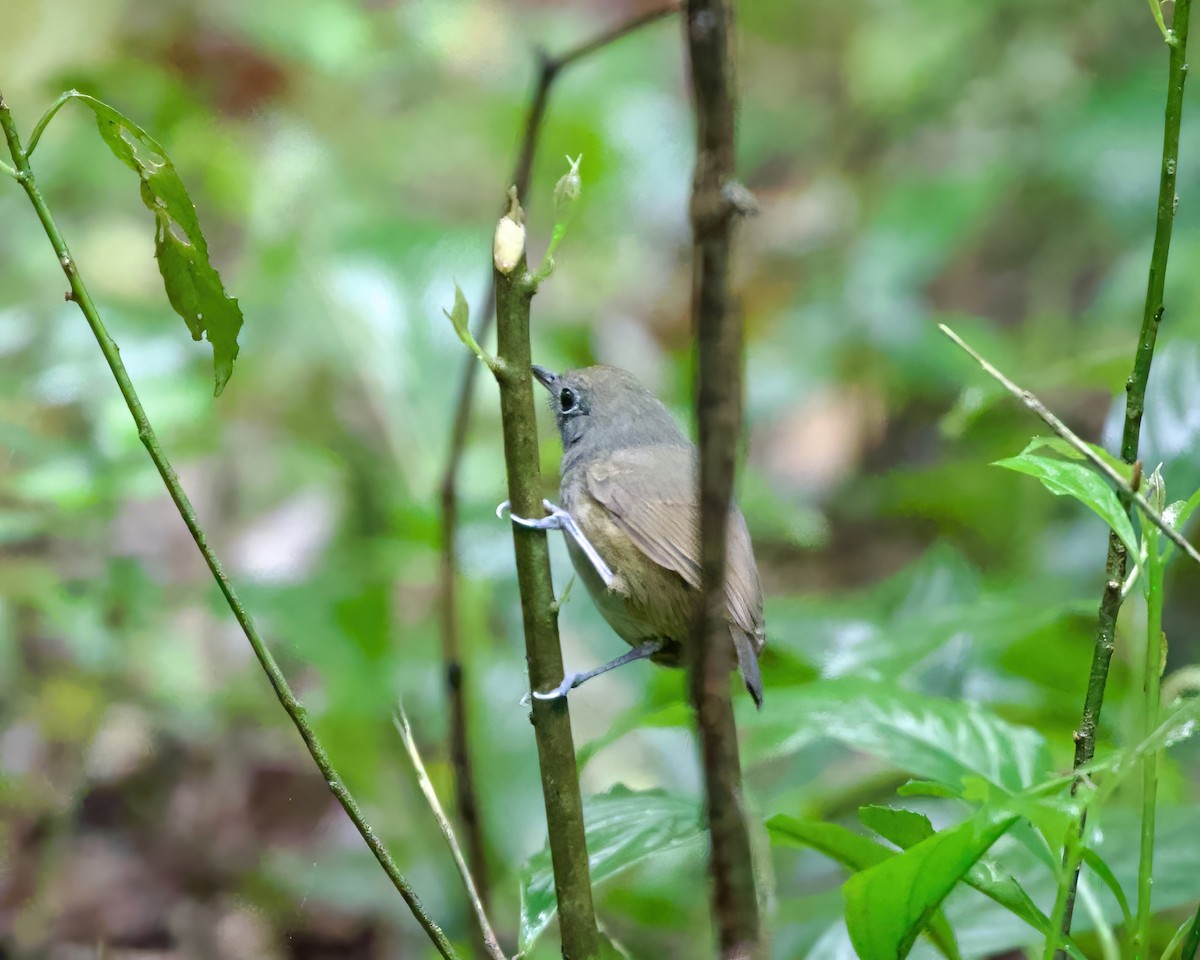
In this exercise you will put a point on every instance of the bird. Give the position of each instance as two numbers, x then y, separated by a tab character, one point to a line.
630	514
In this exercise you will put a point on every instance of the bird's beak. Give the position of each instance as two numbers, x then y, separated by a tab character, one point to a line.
544	377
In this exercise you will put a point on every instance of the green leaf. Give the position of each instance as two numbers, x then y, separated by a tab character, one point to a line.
193	285
848	848
1063	478
1060	446
930	738
906	829
459	316
857	853
929	788
1104	872
902	827
888	905
623	827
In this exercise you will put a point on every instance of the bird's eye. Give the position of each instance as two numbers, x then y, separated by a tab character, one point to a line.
566	398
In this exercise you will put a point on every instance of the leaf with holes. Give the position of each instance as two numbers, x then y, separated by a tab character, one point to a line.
193	285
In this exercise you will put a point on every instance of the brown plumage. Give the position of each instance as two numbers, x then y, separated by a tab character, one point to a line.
629	482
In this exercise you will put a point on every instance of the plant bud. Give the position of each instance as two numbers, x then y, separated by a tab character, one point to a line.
566	191
508	245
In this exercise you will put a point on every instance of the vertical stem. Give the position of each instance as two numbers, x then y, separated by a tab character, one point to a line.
549	69
551	718
1135	401
452	659
295	710
1150	692
718	332
1072	856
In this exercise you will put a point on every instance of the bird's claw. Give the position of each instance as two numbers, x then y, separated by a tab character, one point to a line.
559	519
551	522
570	681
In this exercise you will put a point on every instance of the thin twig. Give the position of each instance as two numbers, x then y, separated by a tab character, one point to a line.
549	69
1111	473
295	710
414	755
551	718
708	31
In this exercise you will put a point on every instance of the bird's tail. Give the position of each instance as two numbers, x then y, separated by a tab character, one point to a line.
747	655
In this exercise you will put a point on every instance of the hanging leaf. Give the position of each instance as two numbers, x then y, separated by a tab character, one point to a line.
193	285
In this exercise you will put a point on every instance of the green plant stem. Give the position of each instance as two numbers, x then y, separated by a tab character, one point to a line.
1116	561
551	718
1072	857
1192	944
549	69
40	127
717	325
1150	692
295	710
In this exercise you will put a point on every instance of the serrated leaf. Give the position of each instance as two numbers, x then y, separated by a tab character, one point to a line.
929	788
193	285
888	905
930	738
902	827
1065	478
623	827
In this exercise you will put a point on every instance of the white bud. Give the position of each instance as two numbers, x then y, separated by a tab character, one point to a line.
508	246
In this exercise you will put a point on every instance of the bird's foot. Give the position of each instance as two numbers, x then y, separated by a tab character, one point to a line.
560	519
570	682
551	522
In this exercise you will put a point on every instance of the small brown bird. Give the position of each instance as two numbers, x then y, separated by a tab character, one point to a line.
630	513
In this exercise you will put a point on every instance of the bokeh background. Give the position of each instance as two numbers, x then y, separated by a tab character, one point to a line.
993	165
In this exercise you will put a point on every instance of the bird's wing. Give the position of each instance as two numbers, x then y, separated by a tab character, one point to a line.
651	493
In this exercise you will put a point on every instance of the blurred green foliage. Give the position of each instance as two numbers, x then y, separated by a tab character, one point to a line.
990	165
